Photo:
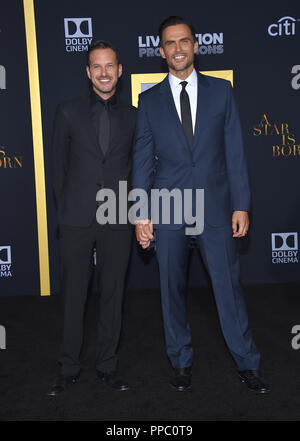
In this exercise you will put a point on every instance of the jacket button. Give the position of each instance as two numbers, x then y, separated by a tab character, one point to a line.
103	161
193	164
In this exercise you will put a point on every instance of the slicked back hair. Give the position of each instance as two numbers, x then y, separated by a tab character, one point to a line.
172	21
101	44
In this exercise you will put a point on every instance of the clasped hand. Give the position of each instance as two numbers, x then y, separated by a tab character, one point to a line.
144	232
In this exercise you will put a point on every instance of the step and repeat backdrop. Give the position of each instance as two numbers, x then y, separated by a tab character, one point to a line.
42	62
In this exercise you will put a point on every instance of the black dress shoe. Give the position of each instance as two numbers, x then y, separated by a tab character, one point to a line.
61	384
113	380
254	381
182	379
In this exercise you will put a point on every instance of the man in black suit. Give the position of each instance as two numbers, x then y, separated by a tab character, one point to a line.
92	149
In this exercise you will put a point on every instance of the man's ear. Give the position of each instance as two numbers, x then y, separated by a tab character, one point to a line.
88	72
120	70
162	52
196	47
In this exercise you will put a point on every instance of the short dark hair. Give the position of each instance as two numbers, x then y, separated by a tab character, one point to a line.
101	44
174	20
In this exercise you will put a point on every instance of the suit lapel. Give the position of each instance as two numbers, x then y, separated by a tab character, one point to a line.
115	124
202	106
88	126
171	111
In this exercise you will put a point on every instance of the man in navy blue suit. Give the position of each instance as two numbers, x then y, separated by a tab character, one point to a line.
189	137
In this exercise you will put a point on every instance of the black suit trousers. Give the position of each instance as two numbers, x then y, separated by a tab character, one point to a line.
112	255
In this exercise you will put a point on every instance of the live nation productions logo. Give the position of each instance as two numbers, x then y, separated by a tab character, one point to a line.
285	248
209	44
285	26
78	34
283	137
5	261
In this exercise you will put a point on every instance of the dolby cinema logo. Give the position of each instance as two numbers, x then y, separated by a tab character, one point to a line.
5	261
78	34
285	248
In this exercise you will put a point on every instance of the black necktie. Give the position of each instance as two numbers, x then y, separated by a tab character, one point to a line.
104	128
186	116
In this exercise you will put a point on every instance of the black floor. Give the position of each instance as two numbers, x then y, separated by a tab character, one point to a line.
28	366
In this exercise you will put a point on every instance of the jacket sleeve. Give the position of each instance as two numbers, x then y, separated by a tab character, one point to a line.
143	161
143	158
60	150
235	156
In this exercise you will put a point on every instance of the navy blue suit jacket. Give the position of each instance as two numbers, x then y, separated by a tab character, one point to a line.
217	162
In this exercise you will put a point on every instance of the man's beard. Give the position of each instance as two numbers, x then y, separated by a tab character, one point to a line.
179	69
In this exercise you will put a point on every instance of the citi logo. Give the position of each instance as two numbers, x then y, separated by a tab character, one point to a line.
284	26
2	78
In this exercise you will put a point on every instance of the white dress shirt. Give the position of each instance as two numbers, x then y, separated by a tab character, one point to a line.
192	90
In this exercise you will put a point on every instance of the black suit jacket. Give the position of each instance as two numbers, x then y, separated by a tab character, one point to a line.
79	167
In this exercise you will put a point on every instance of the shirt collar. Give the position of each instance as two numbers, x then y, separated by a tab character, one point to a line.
95	98
191	80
